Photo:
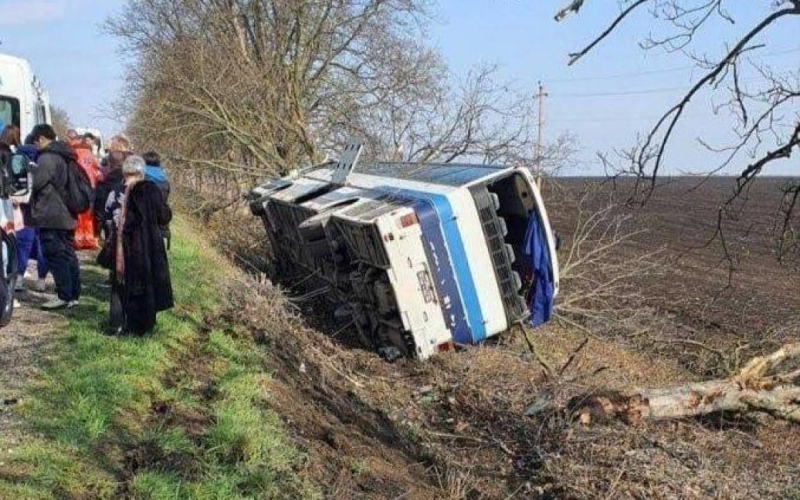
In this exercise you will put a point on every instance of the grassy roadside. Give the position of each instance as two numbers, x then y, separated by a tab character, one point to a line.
179	414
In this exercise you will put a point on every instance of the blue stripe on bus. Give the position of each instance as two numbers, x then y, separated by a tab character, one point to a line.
443	277
458	256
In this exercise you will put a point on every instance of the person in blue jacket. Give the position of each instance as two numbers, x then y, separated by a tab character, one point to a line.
155	173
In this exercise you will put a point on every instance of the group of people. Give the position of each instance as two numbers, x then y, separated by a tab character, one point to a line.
128	221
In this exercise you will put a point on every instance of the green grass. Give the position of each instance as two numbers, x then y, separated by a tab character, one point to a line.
178	414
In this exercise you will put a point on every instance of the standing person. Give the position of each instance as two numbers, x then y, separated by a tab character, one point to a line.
85	237
71	136
9	143
50	214
109	179
154	172
92	143
9	139
29	247
141	278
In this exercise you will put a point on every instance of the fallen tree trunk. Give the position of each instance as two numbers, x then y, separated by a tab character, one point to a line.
757	387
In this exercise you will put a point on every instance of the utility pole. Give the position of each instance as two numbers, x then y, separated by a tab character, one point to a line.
540	95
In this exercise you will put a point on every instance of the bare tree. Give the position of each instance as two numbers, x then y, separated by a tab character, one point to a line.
767	121
601	274
61	121
236	90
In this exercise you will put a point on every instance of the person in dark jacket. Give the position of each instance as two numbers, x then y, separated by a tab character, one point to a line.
141	280
110	179
154	172
49	213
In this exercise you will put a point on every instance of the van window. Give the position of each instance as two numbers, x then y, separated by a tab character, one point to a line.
41	116
9	111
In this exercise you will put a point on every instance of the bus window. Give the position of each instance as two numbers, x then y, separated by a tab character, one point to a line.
9	111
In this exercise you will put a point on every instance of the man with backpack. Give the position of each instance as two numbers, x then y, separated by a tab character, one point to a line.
60	191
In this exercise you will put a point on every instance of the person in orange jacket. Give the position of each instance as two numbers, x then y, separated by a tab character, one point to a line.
85	235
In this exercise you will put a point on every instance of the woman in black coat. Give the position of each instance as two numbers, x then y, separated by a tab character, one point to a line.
141	278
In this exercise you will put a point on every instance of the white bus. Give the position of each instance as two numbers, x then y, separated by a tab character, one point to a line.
423	257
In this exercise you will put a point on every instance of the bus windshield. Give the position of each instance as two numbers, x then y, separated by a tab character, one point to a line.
9	111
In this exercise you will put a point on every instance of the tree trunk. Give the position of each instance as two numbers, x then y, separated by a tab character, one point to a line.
755	388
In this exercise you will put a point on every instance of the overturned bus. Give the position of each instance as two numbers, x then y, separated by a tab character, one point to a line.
422	257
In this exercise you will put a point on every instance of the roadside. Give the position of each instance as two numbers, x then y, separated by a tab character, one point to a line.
23	344
237	396
179	414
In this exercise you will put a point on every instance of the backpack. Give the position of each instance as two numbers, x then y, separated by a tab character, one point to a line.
78	192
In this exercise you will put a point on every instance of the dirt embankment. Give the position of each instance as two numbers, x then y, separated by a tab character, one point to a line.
456	426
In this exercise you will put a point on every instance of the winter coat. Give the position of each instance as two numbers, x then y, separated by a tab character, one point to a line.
109	180
87	161
47	207
5	154
30	152
147	287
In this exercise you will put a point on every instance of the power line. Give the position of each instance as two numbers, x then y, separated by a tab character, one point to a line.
644	91
620	94
622	75
611	119
676	69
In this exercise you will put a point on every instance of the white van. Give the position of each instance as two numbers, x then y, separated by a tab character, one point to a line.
25	104
23	101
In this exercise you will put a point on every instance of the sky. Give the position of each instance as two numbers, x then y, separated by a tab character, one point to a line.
76	62
604	100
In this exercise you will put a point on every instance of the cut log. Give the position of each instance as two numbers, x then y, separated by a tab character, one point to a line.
757	387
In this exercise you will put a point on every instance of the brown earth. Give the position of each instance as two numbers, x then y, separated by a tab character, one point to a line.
748	296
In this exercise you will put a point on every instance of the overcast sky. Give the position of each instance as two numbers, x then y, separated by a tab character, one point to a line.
604	100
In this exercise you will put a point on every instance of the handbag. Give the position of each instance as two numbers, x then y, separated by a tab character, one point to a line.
107	255
105	258
116	313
